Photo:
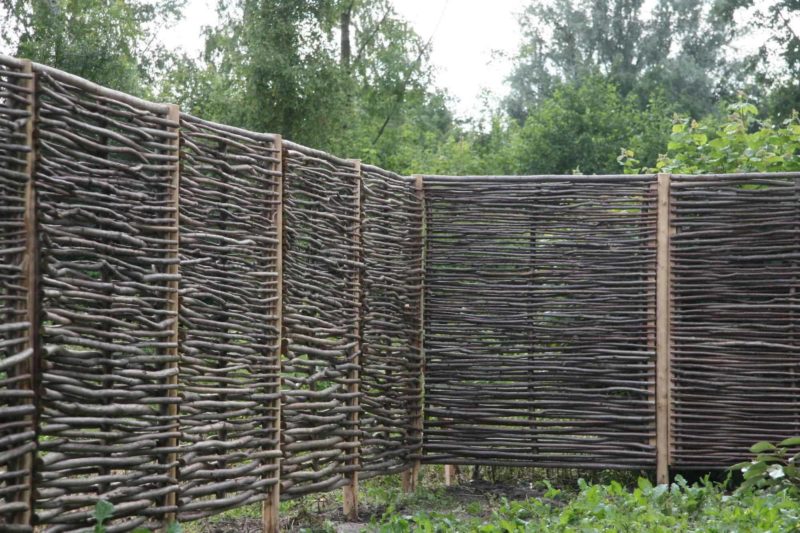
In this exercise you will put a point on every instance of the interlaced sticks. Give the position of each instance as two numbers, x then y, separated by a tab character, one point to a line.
107	222
321	316
389	374
247	319
537	315
17	295
229	322
735	320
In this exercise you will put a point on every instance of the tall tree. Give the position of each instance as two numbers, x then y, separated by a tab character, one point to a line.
774	26
341	75
678	45
111	42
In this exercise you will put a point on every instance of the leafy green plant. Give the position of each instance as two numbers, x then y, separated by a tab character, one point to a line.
774	466
104	510
739	143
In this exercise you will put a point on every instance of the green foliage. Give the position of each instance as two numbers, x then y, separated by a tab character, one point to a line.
346	76
675	45
582	127
739	143
775	466
104	510
110	42
612	507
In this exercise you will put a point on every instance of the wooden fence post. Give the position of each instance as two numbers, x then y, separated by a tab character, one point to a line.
270	509
411	475
29	305
173	309
663	310
350	500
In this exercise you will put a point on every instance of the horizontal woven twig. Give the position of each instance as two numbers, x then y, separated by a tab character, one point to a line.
539	321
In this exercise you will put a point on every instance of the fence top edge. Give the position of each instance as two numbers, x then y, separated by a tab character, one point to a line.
89	86
586	178
739	175
535	178
10	61
379	170
313	152
270	137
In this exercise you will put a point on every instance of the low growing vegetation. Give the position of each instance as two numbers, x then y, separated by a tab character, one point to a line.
768	500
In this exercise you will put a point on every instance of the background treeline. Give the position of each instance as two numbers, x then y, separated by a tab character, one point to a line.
597	86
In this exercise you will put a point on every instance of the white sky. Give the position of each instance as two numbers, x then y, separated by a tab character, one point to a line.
465	33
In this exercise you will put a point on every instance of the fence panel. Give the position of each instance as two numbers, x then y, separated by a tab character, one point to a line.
736	316
108	228
17	432
321	318
538	340
390	367
230	378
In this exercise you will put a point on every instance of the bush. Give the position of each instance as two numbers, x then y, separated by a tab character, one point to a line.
774	466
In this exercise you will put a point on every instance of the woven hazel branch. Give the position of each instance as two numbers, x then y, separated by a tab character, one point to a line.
106	228
321	316
17	431
229	324
736	315
537	317
178	374
389	373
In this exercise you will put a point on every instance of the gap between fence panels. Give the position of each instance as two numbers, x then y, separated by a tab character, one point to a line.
445	257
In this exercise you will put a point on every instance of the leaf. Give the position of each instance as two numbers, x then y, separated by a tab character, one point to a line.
787	443
103	510
761	447
742	465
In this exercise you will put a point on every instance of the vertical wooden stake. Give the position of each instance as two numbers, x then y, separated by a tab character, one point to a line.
663	310
350	503
411	475
173	309
449	474
270	509
29	305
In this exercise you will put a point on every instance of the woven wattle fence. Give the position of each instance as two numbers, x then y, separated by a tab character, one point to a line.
198	317
736	315
17	410
230	201
391	353
322	294
183	314
540	321
106	184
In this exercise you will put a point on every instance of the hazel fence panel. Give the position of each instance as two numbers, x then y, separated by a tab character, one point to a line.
17	409
105	178
230	325
198	317
736	315
391	363
538	336
322	295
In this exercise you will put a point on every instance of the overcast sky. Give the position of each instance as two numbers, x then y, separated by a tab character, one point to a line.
464	32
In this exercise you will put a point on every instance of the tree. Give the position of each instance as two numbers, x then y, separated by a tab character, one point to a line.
110	42
346	76
678	47
583	126
775	26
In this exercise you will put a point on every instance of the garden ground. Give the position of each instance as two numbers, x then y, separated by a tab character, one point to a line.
523	500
